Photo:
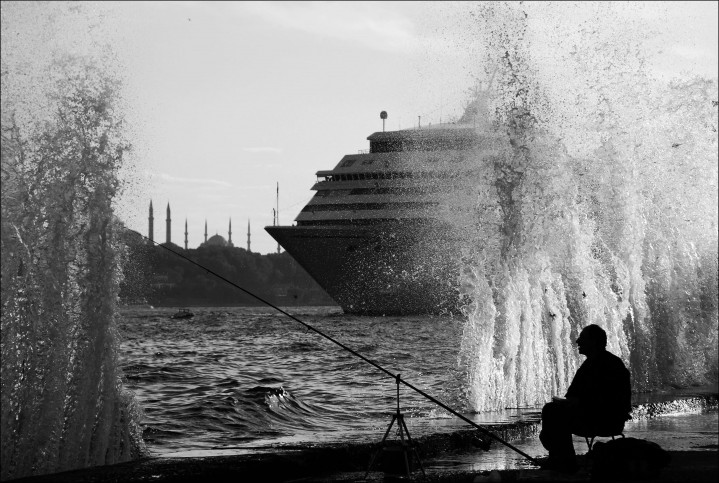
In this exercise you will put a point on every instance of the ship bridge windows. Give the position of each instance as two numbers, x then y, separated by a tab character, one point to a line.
330	193
391	175
408	190
362	191
452	141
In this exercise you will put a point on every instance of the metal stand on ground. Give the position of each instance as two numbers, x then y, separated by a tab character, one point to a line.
406	445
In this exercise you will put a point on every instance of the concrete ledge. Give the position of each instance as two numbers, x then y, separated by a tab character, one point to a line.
348	462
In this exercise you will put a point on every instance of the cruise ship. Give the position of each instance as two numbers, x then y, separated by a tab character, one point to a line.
380	235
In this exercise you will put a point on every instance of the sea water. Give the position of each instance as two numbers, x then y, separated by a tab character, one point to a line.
242	379
252	377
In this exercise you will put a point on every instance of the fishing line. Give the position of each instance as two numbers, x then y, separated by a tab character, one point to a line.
351	351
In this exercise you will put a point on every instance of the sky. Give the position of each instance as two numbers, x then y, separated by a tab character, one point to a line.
247	96
226	100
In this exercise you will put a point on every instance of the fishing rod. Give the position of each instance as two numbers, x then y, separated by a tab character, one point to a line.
351	351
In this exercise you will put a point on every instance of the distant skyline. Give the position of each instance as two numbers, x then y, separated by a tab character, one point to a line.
225	99
156	229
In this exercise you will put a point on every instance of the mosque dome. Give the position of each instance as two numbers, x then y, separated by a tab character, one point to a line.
215	241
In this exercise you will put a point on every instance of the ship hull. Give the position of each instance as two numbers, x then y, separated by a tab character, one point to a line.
387	269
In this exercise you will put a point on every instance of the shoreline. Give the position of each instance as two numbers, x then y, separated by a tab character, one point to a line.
694	466
349	461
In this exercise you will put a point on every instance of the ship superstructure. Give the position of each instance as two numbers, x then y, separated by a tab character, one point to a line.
376	234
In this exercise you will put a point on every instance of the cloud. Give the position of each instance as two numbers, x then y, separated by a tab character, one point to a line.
195	181
692	53
371	24
241	190
262	150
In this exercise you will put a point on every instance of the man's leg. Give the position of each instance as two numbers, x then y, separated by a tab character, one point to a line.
556	433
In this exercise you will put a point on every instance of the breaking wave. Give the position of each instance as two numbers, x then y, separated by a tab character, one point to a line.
63	404
601	210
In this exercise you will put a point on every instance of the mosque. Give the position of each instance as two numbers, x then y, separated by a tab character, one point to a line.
214	241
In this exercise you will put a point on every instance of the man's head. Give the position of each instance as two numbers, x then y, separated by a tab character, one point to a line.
592	340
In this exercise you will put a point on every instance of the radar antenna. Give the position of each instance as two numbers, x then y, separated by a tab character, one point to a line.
383	116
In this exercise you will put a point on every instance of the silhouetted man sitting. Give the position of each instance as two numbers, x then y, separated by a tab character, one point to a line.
597	402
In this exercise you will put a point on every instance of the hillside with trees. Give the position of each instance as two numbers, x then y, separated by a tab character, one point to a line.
159	277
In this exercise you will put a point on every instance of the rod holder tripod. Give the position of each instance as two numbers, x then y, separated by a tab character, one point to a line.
406	445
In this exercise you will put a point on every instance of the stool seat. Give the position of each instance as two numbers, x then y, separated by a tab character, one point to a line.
609	431
590	439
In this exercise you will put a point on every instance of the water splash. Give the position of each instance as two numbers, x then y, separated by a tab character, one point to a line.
601	209
63	404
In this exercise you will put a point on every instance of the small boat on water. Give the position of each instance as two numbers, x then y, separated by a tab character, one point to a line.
182	314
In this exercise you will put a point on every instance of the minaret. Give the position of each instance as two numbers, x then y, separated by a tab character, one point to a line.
151	228
229	234
205	231
168	237
185	233
248	235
